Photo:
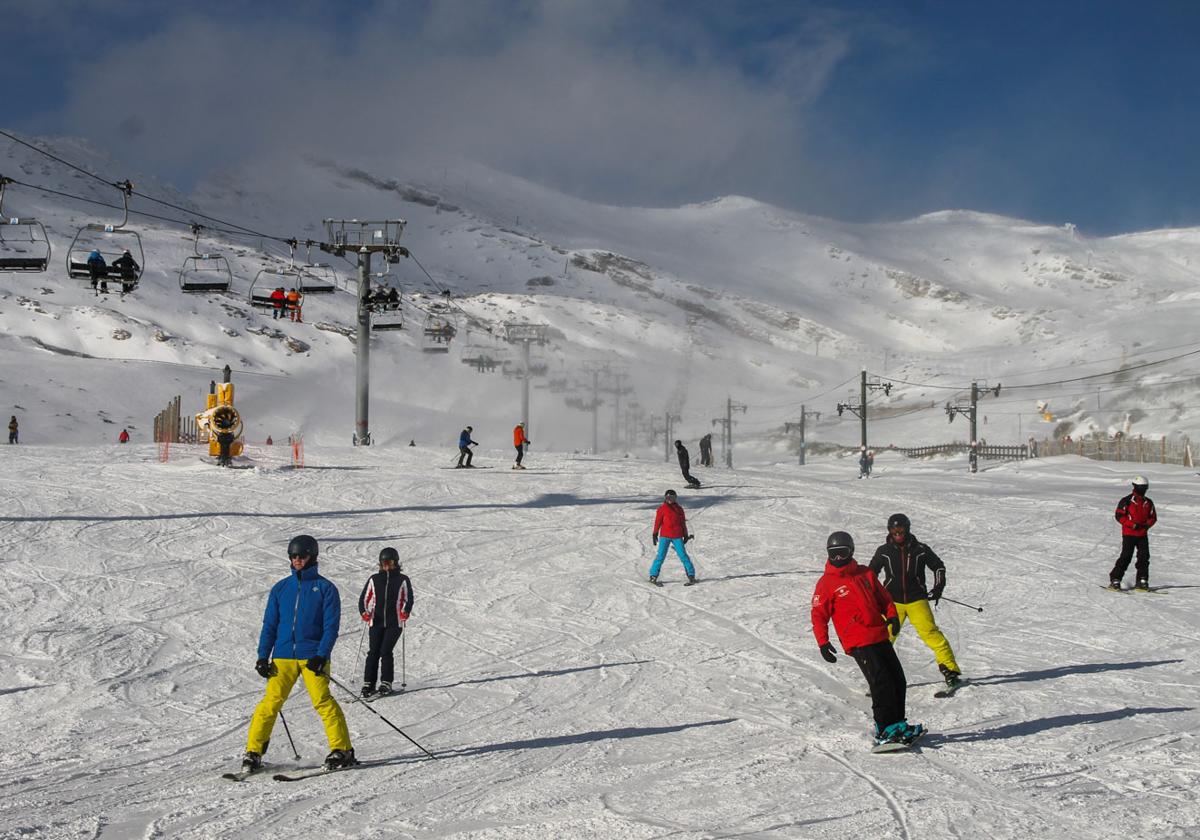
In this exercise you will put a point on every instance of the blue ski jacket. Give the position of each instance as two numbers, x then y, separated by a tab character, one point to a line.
304	612
464	440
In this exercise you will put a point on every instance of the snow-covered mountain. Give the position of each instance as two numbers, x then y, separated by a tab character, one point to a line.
731	298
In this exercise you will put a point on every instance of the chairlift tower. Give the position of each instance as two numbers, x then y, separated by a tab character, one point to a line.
365	239
525	335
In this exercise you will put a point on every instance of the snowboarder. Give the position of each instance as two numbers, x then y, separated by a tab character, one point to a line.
299	630
464	448
98	271
863	616
1137	516
278	299
123	437
706	451
685	462
385	604
127	269
901	563
670	529
520	442
12	429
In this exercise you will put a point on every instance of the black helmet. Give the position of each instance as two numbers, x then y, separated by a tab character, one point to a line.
303	546
679	443
670	494
840	548
389	553
898	520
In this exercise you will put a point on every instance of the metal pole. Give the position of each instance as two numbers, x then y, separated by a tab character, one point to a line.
595	412
617	410
667	440
729	432
362	399
525	387
803	414
974	431
863	401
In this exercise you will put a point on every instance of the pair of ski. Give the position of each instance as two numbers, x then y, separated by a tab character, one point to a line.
1153	590
379	695
659	583
295	776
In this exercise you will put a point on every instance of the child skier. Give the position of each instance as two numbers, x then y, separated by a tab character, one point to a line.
1137	516
385	603
862	614
671	522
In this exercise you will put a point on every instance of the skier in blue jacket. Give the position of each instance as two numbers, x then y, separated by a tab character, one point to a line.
299	630
464	448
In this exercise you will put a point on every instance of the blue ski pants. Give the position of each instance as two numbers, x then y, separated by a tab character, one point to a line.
677	543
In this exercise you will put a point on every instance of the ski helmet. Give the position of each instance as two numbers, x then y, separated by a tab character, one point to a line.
1140	481
669	495
387	554
898	520
679	443
840	548
303	546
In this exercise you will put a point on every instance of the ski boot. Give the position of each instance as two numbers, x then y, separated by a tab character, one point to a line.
385	688
1114	584
1142	585
953	678
251	761
368	689
691	580
654	580
912	731
340	759
893	734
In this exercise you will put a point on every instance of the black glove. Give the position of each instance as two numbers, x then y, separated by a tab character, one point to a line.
935	594
894	626
689	538
263	666
654	539
828	652
316	664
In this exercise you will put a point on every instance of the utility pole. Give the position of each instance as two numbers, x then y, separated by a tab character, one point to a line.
971	412
671	420
804	415
726	424
525	335
364	239
860	410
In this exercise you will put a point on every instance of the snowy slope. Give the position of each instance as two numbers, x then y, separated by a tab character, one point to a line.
731	298
563	695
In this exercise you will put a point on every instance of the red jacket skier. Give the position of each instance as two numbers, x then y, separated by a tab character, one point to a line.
1137	516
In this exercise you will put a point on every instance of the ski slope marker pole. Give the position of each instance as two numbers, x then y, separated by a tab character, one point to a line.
283	720
403	655
961	604
358	699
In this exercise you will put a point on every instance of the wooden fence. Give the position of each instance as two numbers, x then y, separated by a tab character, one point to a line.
1138	450
986	452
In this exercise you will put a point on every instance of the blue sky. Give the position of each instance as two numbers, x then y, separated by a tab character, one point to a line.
1059	112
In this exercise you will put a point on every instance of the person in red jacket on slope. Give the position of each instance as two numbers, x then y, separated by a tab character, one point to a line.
670	529
1137	516
862	612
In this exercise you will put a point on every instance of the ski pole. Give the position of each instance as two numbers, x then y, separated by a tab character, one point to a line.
360	641
283	720
403	655
358	699
961	604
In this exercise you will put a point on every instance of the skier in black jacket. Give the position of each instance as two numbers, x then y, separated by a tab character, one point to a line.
900	563
385	603
685	463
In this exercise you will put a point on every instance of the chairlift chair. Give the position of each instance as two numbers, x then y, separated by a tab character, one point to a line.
24	245
204	272
111	241
438	332
268	280
316	278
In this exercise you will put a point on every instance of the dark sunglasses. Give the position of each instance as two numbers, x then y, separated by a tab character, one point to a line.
299	556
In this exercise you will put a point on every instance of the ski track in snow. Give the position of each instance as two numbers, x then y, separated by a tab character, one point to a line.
564	696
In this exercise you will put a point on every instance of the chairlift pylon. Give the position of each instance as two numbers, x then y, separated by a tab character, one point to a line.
112	242
205	272
24	245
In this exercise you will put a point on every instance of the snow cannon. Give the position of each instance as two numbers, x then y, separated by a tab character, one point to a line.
219	417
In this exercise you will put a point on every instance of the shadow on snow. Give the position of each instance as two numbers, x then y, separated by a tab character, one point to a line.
1033	727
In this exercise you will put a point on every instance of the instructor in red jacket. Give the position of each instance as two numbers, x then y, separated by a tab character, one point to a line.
670	529
862	612
1137	516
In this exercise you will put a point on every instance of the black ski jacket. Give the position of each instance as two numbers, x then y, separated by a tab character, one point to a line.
386	597
901	568
684	460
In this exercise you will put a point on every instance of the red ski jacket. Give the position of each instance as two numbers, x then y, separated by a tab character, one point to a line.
1136	515
856	601
670	521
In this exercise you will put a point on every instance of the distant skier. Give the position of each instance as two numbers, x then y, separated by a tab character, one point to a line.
278	301
706	451
127	269
12	429
901	563
464	448
670	529
1137	516
98	271
863	615
299	630
385	603
685	462
520	442
865	460
270	442
123	437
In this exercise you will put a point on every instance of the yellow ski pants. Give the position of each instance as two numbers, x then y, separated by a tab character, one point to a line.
921	616
279	686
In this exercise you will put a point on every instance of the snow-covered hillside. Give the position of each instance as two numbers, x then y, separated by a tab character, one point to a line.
731	298
563	696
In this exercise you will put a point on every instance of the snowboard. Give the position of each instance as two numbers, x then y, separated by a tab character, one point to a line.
897	746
